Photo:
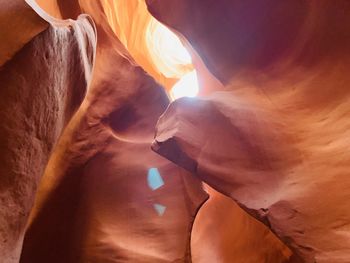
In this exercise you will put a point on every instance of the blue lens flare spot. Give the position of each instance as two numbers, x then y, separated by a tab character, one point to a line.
154	179
160	209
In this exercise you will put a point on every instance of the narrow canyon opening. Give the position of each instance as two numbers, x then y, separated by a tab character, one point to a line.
174	131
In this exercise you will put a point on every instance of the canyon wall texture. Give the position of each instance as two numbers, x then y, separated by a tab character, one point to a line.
276	140
94	203
105	196
253	170
43	81
223	232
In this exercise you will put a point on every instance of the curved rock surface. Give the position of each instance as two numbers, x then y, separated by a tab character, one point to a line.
267	241
14	35
281	171
274	140
55	183
222	232
277	142
105	196
38	96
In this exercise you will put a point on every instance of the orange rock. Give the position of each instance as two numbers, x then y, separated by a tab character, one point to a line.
276	141
39	94
105	196
15	14
222	232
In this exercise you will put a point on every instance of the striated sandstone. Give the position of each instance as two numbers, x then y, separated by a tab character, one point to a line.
39	94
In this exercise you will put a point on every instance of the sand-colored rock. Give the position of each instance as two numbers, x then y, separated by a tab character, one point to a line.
131	34
19	23
61	9
282	168
222	232
277	142
232	34
96	202
38	96
274	140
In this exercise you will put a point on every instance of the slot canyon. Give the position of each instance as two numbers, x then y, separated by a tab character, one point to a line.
194	131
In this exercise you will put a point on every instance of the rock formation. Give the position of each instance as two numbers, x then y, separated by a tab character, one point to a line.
115	124
42	85
253	170
223	232
276	140
105	196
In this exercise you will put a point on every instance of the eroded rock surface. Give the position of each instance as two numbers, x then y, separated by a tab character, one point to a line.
231	34
222	232
15	14
105	196
285	166
277	141
74	247
42	85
